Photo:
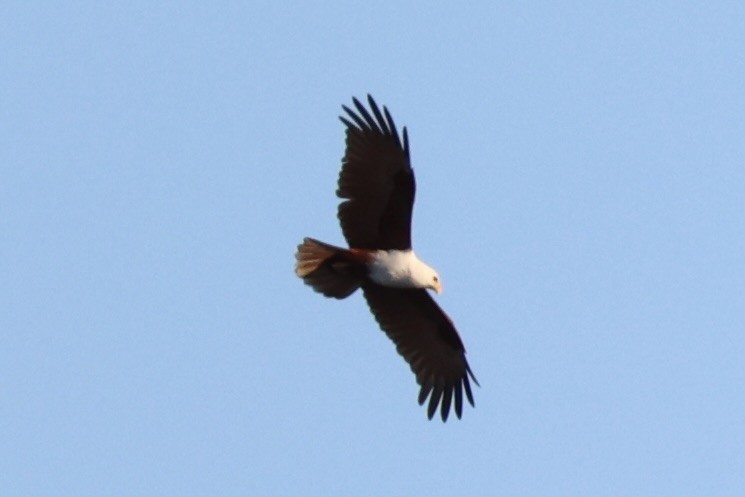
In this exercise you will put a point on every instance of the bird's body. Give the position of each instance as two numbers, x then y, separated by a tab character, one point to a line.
378	188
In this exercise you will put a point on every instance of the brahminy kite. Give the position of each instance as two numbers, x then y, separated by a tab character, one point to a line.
377	186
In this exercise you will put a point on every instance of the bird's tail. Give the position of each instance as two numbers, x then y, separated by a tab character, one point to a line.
333	271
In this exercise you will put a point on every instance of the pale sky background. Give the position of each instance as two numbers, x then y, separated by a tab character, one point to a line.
581	172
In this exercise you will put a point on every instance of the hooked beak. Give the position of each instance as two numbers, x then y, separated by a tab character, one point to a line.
437	287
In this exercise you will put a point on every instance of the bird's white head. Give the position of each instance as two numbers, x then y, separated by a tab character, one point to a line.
426	277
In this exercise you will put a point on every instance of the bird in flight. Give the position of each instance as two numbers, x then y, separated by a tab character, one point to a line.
376	185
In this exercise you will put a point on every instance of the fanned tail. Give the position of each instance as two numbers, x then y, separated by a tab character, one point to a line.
330	270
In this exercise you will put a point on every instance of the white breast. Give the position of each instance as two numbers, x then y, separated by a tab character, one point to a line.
394	268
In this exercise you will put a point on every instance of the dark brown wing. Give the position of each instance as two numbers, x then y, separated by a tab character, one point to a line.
427	339
376	180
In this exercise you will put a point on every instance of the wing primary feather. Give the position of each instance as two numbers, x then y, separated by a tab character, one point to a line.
406	143
368	118
381	122
447	397
361	125
467	384
458	400
467	387
470	373
424	392
392	125
347	122
434	400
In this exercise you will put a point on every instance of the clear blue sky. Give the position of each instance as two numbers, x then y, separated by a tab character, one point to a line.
581	172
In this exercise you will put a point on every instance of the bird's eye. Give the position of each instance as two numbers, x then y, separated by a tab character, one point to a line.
435	279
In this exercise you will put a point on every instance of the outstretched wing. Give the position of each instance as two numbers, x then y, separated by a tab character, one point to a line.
427	339
376	181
